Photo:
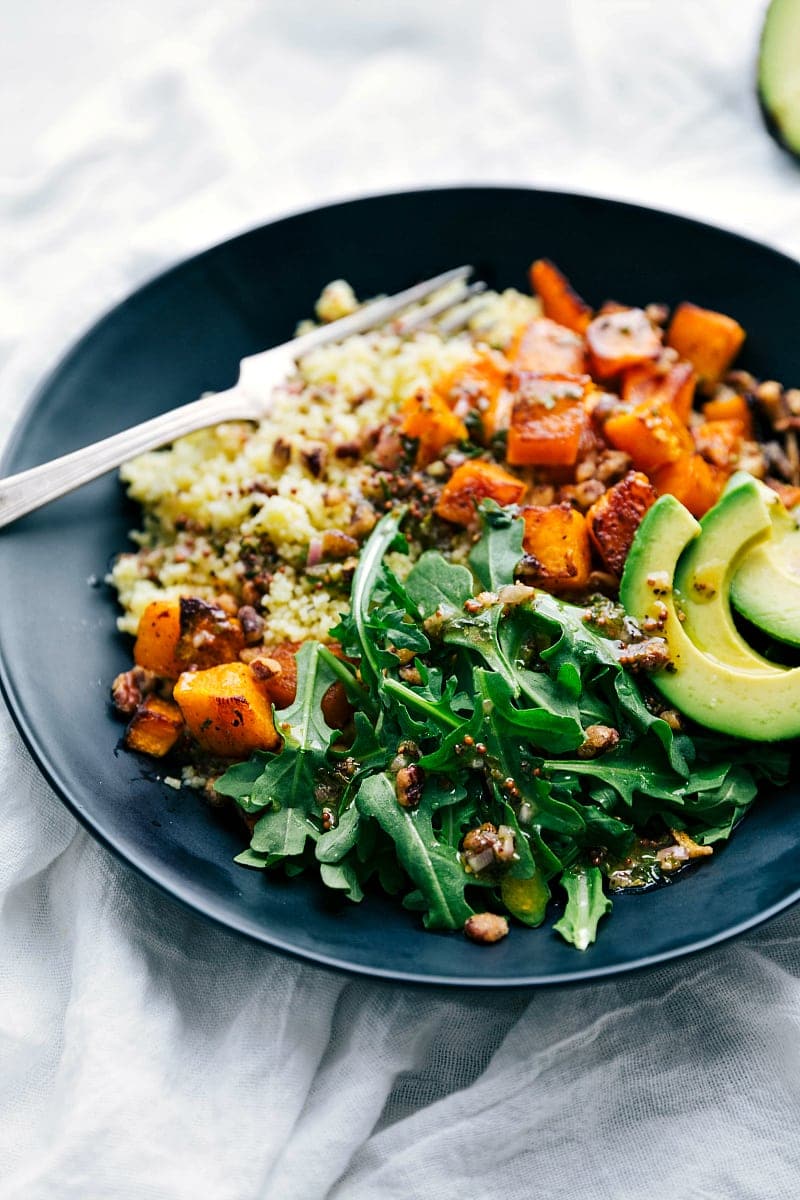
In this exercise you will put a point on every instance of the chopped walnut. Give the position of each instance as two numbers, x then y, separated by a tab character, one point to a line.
480	839
263	668
129	689
650	655
599	740
314	459
485	928
337	545
281	452
252	623
408	785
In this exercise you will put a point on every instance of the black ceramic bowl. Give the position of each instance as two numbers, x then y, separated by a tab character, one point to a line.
185	333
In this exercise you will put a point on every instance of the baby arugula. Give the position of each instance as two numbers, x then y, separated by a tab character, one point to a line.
472	703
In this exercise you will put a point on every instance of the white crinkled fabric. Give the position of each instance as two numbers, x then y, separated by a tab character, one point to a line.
143	1053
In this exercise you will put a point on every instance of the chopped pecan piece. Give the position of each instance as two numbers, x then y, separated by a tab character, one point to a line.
599	740
130	688
485	928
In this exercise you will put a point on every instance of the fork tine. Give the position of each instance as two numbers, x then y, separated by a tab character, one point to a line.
453	301
376	313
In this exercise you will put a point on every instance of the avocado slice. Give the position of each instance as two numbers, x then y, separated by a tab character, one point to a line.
765	584
779	73
734	526
760	705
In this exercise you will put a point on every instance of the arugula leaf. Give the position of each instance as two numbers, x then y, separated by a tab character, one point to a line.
434	584
240	780
434	869
306	734
339	841
586	904
282	832
249	858
368	750
480	634
364	581
495	556
630	774
342	876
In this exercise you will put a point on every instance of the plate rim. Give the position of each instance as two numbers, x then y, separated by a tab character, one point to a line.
175	887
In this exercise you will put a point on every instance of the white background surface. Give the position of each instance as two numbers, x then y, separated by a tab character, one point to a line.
142	1053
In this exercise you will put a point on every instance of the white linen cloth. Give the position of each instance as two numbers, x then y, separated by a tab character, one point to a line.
143	1053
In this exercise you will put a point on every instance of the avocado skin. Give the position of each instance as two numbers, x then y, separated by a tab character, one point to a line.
758	704
780	12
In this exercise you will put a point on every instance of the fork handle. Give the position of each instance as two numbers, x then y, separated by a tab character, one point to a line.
22	493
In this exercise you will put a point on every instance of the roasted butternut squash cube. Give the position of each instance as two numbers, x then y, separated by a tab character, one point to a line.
174	635
652	434
559	300
427	417
475	389
696	483
720	442
155	727
657	383
157	639
708	339
543	345
621	339
789	495
616	516
472	482
556	543
209	635
227	711
732	407
548	420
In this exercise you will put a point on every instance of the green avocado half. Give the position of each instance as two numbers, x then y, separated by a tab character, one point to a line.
765	584
779	73
755	702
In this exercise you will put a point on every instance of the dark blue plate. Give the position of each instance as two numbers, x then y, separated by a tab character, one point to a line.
184	333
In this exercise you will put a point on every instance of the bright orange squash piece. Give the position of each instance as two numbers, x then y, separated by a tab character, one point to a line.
472	482
556	541
649	383
616	516
695	482
176	634
227	711
427	417
157	639
543	345
477	389
621	339
720	441
708	339
559	301
155	727
652	434
789	495
731	408
548	420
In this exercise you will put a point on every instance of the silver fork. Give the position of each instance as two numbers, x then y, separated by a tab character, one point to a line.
248	400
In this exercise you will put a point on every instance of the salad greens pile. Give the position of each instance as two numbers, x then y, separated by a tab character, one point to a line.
467	786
